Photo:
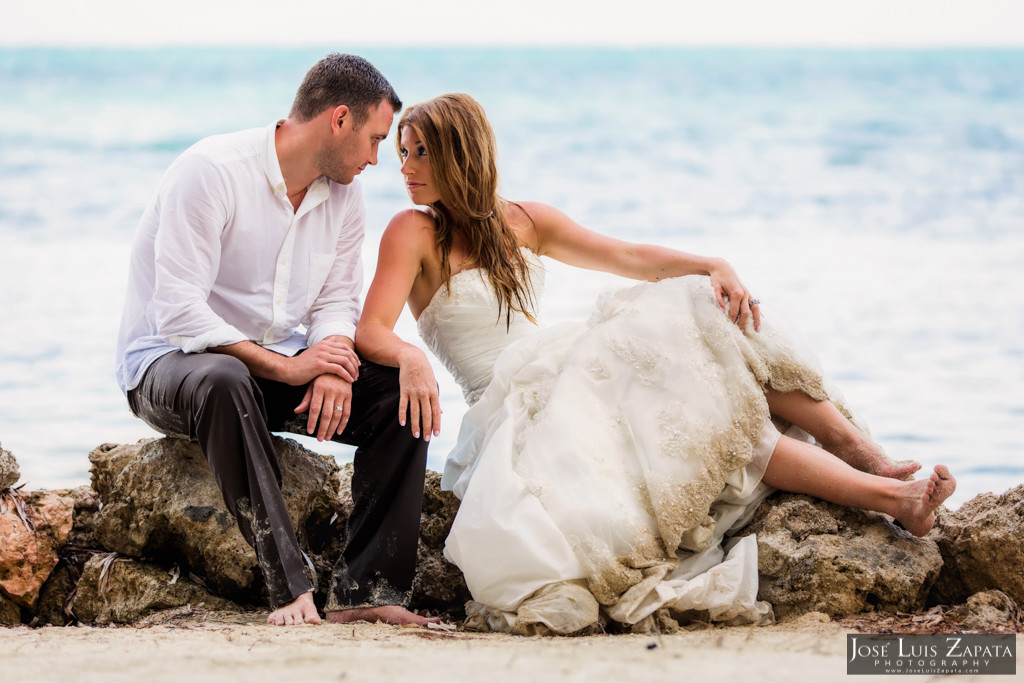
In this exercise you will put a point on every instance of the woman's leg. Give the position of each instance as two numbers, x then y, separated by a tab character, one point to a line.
799	467
838	436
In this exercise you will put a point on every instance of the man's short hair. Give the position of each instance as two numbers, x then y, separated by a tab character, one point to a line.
343	79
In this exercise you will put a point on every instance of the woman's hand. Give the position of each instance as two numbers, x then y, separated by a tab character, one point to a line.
419	397
732	296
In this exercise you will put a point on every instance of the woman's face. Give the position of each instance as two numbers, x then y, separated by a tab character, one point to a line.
416	169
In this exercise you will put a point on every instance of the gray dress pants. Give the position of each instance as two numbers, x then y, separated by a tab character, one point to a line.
212	399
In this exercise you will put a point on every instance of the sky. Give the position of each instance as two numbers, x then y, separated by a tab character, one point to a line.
828	23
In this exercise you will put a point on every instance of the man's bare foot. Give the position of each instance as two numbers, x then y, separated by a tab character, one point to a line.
389	614
299	611
919	500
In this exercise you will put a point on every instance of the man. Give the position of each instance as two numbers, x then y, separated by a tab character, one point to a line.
251	235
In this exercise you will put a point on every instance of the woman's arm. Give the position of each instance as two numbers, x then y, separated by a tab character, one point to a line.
403	247
565	240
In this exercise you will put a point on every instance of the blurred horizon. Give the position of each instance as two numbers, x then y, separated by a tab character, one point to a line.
520	23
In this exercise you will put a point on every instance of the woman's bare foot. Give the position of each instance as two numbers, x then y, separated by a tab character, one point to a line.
918	501
389	614
299	611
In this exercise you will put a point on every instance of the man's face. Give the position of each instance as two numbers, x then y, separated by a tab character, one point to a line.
350	149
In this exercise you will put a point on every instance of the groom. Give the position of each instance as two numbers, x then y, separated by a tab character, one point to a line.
250	236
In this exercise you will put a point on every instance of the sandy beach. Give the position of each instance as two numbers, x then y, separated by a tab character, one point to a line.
238	647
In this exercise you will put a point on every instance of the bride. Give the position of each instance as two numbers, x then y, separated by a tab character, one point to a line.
602	465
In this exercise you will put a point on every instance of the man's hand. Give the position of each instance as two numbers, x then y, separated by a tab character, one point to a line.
732	296
419	394
329	402
330	356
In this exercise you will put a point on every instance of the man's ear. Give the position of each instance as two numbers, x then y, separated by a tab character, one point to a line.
340	117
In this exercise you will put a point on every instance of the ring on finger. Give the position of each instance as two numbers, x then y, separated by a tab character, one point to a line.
754	302
339	408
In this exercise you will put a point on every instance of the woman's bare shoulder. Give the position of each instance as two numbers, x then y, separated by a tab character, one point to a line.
412	219
530	211
411	226
526	218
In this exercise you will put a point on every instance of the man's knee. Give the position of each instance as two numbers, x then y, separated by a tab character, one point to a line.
222	375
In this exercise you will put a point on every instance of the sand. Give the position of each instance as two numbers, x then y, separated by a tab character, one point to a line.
225	647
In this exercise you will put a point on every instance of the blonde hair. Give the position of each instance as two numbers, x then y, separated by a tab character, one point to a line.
461	150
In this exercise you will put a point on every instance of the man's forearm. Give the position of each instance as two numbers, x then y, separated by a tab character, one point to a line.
260	361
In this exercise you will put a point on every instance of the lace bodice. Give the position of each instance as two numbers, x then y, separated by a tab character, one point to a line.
463	329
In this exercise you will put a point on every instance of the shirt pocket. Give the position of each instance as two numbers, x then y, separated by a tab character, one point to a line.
319	269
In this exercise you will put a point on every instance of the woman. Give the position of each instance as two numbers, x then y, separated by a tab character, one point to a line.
601	465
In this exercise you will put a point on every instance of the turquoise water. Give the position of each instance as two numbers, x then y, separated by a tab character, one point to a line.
877	196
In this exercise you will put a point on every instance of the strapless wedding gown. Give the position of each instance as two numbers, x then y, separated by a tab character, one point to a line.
602	464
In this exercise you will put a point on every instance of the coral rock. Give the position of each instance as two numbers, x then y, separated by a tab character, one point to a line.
9	473
818	557
160	501
982	545
49	609
28	547
87	505
988	610
10	614
121	590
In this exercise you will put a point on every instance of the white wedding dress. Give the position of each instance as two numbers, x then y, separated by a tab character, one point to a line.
601	465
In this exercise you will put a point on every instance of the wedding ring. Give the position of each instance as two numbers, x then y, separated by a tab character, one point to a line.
754	302
338	408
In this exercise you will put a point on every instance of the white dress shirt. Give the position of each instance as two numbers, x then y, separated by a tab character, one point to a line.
222	257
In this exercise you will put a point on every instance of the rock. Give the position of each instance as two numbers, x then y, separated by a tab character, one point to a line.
49	609
818	557
439	585
160	502
128	590
10	614
987	610
87	505
982	545
9	472
33	527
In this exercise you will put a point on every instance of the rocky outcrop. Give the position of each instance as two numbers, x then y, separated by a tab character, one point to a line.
121	590
156	502
818	557
160	502
33	527
982	546
9	472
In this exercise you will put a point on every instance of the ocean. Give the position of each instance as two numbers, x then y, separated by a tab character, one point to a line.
875	196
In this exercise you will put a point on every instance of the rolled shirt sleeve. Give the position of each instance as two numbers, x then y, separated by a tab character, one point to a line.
194	208
335	310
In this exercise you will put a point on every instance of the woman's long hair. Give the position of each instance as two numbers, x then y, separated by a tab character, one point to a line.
460	148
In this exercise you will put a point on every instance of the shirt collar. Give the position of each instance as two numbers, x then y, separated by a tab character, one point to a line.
271	165
318	190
